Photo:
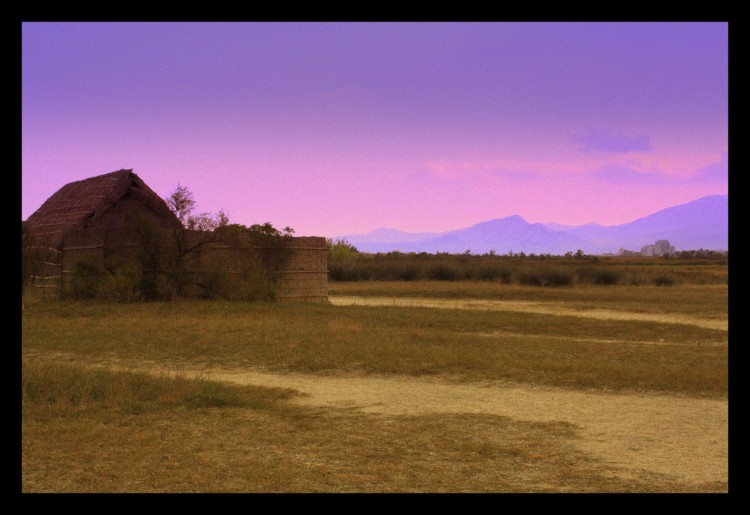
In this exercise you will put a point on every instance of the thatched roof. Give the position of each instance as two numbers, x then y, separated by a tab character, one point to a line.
79	204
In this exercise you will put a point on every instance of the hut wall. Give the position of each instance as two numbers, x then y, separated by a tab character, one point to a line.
235	268
42	265
110	236
305	276
79	245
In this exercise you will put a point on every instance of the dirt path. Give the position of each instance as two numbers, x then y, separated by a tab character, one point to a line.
546	308
681	437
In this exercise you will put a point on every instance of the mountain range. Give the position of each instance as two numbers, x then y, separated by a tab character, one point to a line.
700	224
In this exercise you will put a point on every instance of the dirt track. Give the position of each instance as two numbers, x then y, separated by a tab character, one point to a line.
546	308
685	439
680	437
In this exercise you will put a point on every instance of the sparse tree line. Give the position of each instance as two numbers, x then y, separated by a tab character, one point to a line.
347	264
207	257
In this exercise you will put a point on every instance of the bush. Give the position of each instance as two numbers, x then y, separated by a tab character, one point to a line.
163	285
530	278
663	280
546	277
408	272
607	277
542	270
598	275
232	278
86	277
444	272
492	272
347	271
213	284
122	282
340	250
559	278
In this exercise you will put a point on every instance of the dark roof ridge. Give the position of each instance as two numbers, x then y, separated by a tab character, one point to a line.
81	202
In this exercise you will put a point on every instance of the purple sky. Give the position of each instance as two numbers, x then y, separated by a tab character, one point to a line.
341	128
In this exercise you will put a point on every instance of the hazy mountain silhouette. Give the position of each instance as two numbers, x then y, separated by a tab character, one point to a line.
700	224
386	235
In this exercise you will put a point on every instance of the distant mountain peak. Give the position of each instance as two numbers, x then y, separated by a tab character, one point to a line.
565	227
702	223
508	220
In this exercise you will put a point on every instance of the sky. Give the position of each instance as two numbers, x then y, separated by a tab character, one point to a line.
341	128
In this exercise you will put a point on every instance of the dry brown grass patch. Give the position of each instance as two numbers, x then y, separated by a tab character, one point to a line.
272	446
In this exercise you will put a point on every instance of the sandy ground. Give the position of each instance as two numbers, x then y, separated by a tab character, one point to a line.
680	437
683	438
546	308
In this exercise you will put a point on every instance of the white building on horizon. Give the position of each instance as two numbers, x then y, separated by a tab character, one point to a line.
660	248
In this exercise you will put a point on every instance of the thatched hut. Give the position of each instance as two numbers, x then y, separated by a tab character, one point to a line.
116	218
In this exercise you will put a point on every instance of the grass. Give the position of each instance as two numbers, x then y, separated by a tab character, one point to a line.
100	430
64	388
710	301
463	344
91	428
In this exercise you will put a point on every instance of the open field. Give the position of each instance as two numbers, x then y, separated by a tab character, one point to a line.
409	387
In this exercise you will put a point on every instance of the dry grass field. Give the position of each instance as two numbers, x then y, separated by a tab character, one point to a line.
394	387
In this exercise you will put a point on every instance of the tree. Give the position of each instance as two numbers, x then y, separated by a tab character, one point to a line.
164	255
182	204
201	227
340	250
267	229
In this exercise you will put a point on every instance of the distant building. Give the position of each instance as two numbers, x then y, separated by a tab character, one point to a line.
660	248
663	248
